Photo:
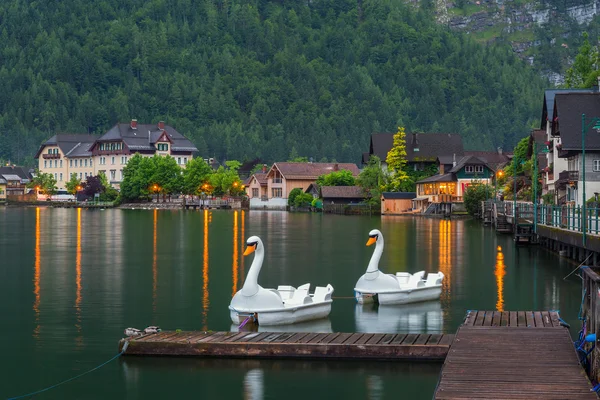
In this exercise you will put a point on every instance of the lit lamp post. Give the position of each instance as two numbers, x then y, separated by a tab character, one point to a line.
156	188
596	122
498	175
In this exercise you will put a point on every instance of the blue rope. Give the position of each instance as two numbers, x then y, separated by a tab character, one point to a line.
73	378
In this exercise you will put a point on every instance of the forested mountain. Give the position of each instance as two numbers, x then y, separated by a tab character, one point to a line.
255	78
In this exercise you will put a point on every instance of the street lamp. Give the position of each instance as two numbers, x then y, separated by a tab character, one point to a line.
499	174
156	189
596	122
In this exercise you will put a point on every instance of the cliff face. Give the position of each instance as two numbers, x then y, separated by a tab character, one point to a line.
515	22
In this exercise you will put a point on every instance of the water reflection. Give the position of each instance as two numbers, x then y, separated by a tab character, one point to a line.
154	260
235	253
426	317
374	387
243	273
254	384
318	326
36	274
205	301
79	339
445	256
500	271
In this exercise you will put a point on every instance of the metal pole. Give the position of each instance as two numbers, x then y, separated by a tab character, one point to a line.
515	191
583	214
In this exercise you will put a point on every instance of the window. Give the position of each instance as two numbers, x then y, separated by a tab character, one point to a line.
184	160
276	192
596	165
86	162
80	176
91	162
479	168
55	163
70	163
85	175
469	169
45	164
112	161
254	192
49	151
163	147
55	176
61	163
179	160
60	176
113	174
120	174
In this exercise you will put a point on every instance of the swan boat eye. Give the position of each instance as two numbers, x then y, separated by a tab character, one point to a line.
375	236
252	244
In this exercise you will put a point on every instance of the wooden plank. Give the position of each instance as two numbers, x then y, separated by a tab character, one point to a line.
470	319
257	338
512	320
364	338
446	340
341	338
284	337
529	319
555	318
376	338
504	319
271	337
479	318
398	339
330	338
214	335
307	338
487	321
388	338
521	321
352	339
318	338
235	337
546	319
537	317
434	339
410	339
297	336
421	339
496	318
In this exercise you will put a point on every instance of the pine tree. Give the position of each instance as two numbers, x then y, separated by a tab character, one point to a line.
396	160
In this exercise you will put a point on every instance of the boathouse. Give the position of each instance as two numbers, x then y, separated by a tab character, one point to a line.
397	202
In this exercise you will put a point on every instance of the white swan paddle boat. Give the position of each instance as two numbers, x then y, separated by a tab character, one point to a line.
401	288
281	306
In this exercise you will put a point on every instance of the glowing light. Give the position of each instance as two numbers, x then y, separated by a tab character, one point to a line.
235	253
205	302
78	272
242	242
36	274
500	271
154	262
445	256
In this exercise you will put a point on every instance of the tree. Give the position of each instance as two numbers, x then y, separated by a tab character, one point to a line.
136	178
474	195
583	73
73	184
396	161
293	194
109	193
44	183
226	180
92	185
303	200
167	175
337	178
372	180
195	174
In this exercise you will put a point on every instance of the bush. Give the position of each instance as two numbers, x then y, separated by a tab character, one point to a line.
474	195
303	200
293	194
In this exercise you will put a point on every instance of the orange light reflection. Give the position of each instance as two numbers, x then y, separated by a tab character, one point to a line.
445	256
500	271
154	262
235	253
36	274
78	273
243	273
205	302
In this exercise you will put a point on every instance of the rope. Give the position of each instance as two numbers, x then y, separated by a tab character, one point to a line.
73	378
244	323
579	266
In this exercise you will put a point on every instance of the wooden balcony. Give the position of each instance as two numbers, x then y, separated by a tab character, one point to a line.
51	156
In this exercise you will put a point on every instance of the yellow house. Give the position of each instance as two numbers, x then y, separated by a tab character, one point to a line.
2	188
87	155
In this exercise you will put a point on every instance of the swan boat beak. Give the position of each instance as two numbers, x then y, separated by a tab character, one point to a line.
250	249
371	241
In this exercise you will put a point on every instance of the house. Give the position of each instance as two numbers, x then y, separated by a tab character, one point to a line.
496	160
313	190
88	155
566	129
422	149
449	187
13	181
256	185
559	164
396	202
342	194
283	177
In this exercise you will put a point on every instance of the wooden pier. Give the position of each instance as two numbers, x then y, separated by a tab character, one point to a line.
377	346
513	355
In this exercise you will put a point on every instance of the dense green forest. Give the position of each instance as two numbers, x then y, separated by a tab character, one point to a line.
255	78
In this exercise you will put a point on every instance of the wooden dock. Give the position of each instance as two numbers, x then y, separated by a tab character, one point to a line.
513	355
374	346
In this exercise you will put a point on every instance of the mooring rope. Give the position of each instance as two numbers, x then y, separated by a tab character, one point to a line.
579	266
73	378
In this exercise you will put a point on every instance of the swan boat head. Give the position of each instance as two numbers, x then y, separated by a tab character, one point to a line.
374	280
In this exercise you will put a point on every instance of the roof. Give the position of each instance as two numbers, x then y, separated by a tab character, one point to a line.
494	159
261	178
449	177
419	146
299	170
399	195
568	108
145	136
67	142
2	181
342	192
21	172
471	160
549	96
447	159
9	177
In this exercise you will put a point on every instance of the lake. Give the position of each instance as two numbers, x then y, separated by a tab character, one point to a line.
72	280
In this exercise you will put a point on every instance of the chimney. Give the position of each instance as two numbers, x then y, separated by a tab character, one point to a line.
500	150
161	125
133	124
454	160
264	168
336	167
441	169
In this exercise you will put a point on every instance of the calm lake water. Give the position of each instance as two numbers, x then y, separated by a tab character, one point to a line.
72	280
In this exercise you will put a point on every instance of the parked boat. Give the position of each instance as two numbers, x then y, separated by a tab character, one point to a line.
401	288
281	306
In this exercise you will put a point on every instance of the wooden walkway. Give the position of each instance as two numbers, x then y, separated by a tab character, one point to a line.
292	345
513	355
